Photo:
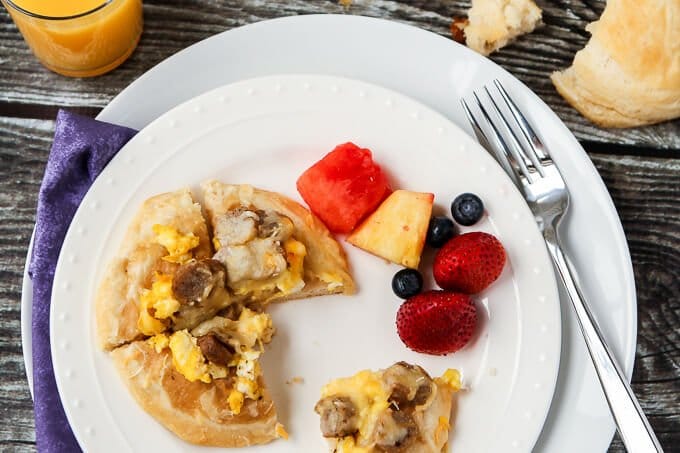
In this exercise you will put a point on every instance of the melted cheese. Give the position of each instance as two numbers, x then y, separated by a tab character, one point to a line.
178	245
289	281
217	371
442	428
333	281
187	357
366	390
156	305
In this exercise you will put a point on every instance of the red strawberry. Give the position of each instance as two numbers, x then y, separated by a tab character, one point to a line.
469	263
436	322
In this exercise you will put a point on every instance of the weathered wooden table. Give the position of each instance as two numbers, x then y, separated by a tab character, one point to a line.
641	168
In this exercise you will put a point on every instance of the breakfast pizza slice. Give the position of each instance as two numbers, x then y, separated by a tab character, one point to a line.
398	409
271	246
185	323
205	384
162	276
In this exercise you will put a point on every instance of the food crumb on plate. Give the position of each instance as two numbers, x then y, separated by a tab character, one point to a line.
295	380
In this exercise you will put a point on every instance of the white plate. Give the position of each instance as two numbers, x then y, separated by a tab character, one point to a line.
435	71
266	132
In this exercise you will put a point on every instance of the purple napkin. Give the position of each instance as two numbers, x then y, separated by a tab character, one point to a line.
82	147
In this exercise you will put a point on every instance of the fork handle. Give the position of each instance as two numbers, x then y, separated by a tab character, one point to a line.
633	426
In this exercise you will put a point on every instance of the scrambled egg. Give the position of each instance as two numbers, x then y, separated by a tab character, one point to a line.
253	326
187	357
253	329
156	305
235	400
288	282
159	342
347	445
451	377
367	392
178	245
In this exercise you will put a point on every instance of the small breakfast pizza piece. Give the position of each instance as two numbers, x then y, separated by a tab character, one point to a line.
343	187
271	246
400	408
397	230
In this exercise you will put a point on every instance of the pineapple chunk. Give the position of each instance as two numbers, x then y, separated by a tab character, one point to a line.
396	230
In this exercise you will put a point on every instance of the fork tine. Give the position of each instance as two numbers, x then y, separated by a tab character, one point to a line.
528	159
493	149
532	139
479	133
516	163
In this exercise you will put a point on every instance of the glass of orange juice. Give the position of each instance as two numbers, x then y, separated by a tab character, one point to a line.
79	38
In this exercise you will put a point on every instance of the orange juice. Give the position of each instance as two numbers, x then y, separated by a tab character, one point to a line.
79	38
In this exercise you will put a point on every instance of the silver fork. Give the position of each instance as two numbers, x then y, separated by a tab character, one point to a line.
528	163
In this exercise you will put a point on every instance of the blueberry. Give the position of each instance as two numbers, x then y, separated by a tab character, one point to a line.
407	283
440	230
467	209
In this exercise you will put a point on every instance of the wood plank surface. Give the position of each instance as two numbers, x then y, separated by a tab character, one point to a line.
172	26
24	145
643	177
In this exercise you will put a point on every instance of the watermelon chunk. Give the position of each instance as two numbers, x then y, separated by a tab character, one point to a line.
344	187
